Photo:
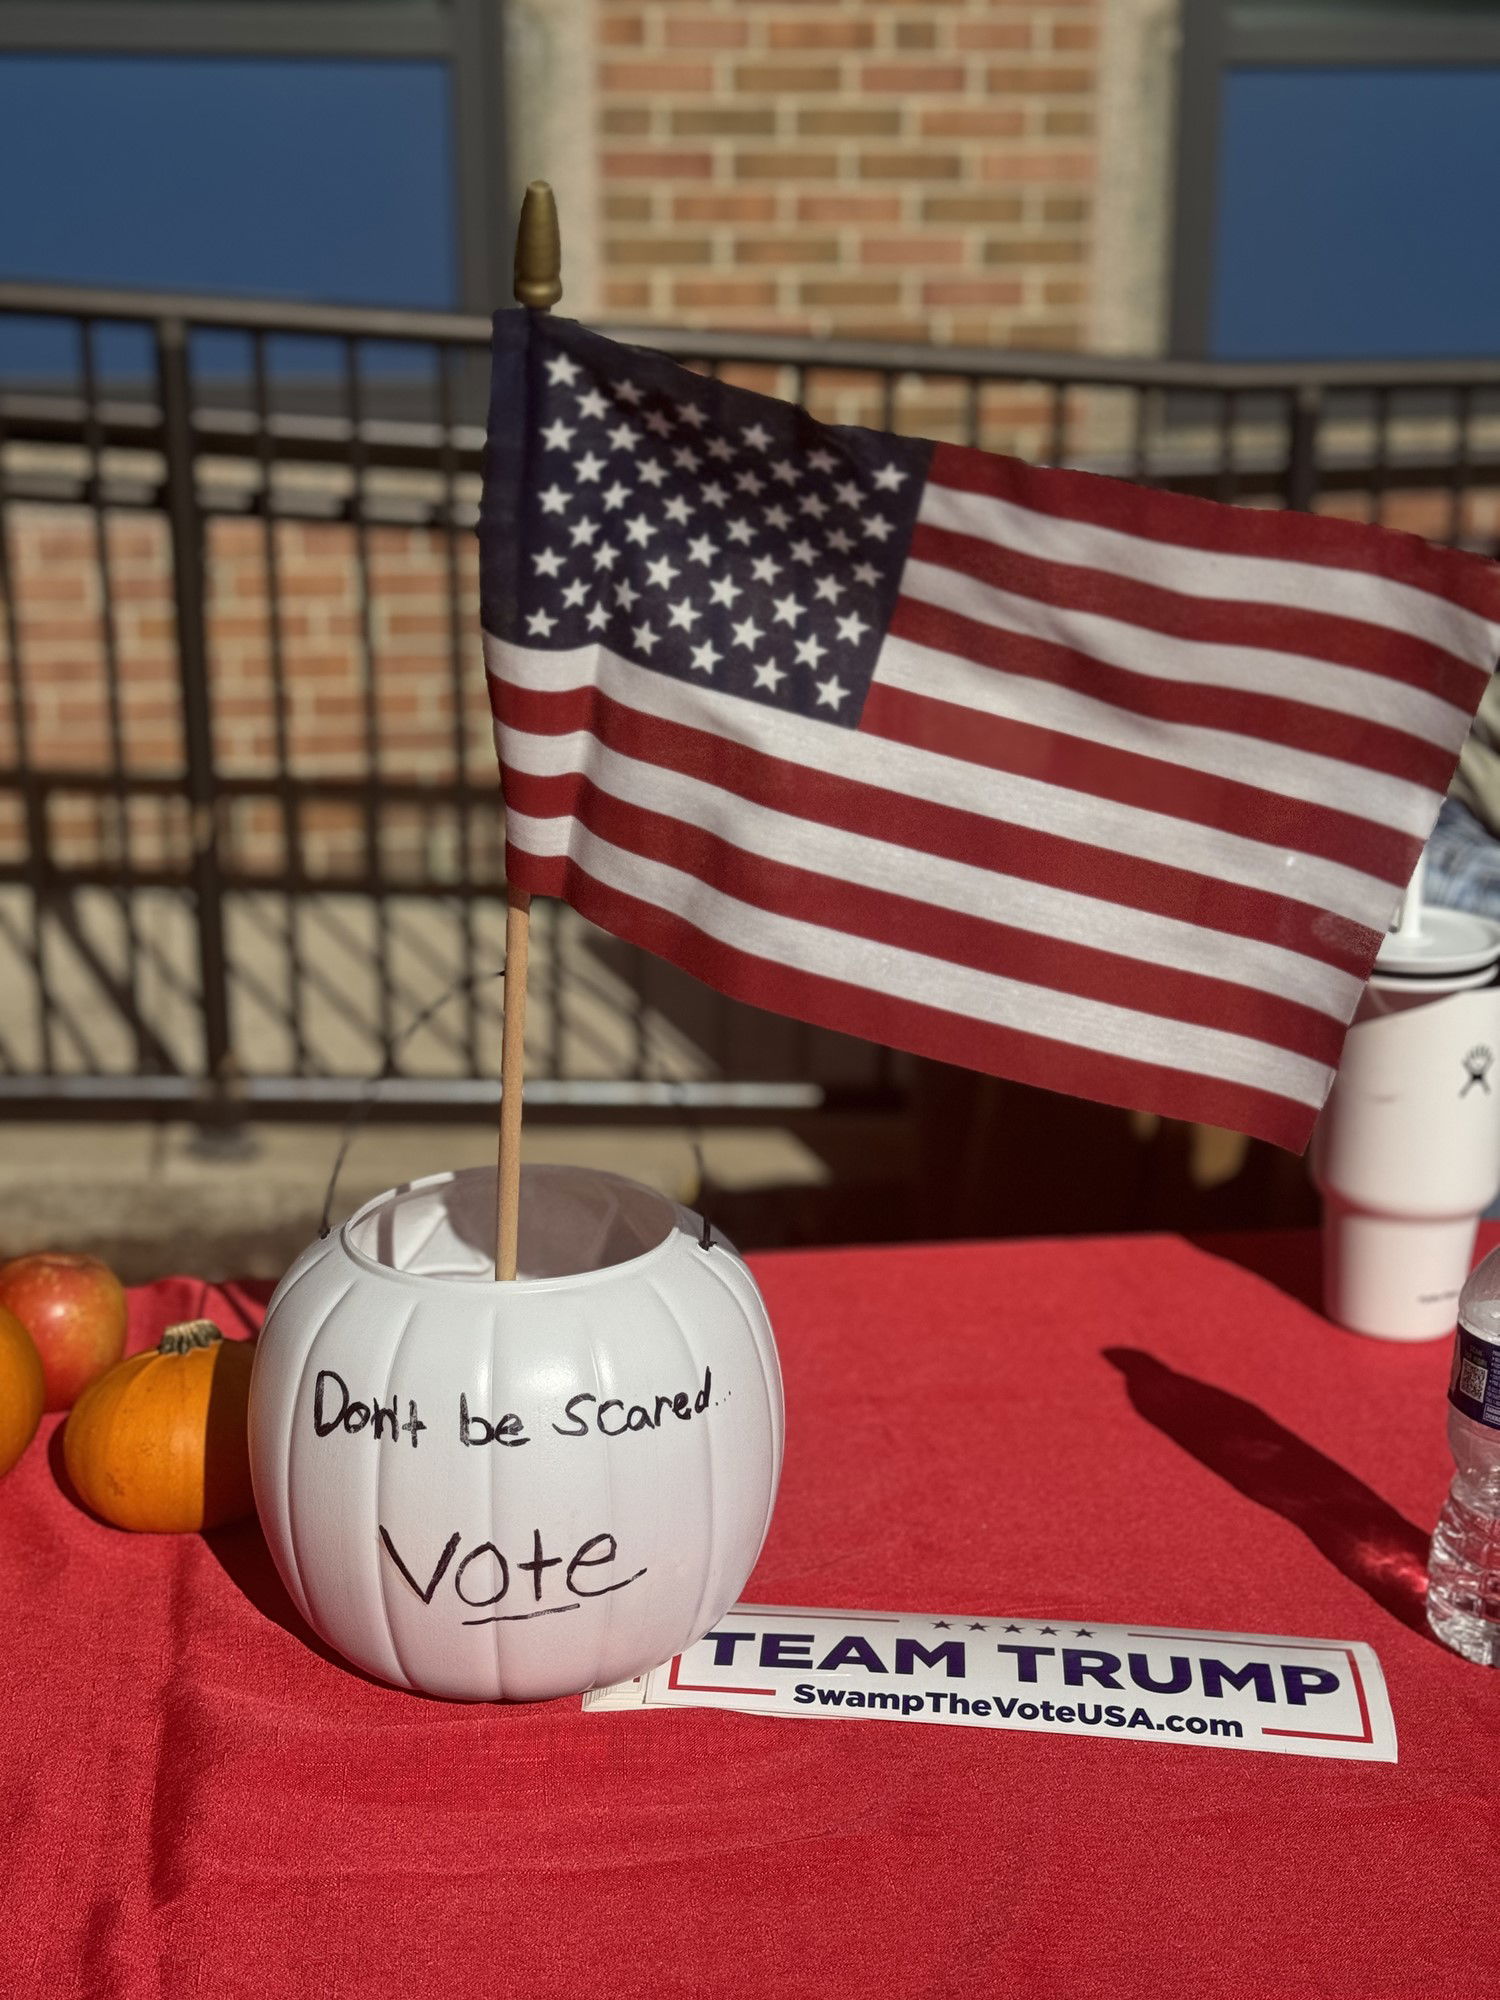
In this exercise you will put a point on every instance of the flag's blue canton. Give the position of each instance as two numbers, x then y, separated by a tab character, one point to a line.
708	533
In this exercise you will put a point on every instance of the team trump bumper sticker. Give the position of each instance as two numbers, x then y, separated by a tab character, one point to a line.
1140	1683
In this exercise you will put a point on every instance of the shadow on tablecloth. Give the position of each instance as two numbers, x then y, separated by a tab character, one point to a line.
1347	1522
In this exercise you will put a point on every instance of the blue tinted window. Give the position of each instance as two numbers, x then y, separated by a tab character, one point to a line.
1357	214
294	178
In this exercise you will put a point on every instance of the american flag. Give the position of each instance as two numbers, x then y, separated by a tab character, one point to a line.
1107	790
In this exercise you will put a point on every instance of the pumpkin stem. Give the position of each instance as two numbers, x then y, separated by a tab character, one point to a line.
190	1334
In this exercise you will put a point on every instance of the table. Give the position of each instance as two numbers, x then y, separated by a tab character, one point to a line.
200	1800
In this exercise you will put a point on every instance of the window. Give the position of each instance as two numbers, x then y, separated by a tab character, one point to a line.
1336	180
344	151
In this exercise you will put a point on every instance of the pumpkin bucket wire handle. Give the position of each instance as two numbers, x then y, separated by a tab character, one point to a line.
365	1103
361	1109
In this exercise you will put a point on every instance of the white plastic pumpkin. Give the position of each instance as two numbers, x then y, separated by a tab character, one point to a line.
512	1491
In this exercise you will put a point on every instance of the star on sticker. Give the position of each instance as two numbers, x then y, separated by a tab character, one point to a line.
621	438
769	675
802	551
724	590
830	694
574	593
1012	1628
758	437
561	370
713	493
852	628
614	496
689	413
810	650
1049	1632
650	473
677	509
540	623
597	617
702	550
750	482
876	526
627	393
889	478
837	539
661	572
821	461
778	517
1083	1632
588	467
583	532
553	498
848	492
625	593
977	1627
866	573
747	634
786	472
644	637
764	570
811	504
706	657
720	448
684	614
829	589
741	532
941	1625
558	436
548	561
687	458
658	421
639	531
787	610
592	404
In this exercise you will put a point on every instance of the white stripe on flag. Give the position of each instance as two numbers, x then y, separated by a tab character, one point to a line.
1294	774
951	781
1349	593
982	892
913	977
1192	662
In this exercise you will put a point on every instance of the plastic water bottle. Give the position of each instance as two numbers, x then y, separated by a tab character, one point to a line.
1463	1575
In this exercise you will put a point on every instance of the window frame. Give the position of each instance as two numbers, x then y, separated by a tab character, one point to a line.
466	36
1216	34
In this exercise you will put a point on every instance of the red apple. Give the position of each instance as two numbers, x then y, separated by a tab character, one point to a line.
73	1306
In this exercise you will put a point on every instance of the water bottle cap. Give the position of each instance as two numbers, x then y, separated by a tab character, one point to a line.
1479	1302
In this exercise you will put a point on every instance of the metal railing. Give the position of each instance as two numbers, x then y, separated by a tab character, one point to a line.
199	929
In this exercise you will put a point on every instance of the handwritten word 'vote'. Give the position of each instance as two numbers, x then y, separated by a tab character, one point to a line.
483	1577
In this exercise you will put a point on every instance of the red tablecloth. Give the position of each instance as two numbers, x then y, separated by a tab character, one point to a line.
199	1800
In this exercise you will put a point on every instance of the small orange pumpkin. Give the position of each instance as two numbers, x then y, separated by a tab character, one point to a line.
160	1443
23	1389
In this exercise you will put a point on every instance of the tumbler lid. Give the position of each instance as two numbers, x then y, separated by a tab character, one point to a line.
1451	945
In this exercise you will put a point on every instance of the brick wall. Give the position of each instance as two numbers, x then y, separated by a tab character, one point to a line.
913	169
427	720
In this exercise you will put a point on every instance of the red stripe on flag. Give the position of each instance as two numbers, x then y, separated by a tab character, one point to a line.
1182	521
1320	732
909	923
926	1031
1210	621
1149	783
958	835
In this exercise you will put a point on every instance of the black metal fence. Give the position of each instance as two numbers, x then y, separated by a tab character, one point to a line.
192	927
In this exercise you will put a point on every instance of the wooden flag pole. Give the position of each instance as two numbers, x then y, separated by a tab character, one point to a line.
538	285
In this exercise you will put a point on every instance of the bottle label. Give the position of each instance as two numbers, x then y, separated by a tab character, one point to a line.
1475	1386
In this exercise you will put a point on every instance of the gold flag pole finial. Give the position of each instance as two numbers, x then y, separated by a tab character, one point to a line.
538	249
538	285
